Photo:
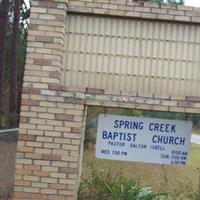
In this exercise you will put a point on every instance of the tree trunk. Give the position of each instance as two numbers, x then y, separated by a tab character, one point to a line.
13	71
21	75
3	32
25	16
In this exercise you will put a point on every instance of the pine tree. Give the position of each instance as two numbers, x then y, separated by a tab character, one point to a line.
13	70
3	31
178	2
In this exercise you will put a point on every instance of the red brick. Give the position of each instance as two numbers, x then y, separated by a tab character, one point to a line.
45	39
38	196
26	137
24	149
23	119
42	62
57	186
41	173
94	91
22	183
21	195
54	74
188	104
29	102
29	196
64	117
33	27
76	130
60	18
67	170
47	4
23	172
51	157
193	98
56	87
30	91
75	101
32	167
56	197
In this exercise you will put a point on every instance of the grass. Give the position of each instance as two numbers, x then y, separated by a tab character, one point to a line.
155	176
104	186
194	157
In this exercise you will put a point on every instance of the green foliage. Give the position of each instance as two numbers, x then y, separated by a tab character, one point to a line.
184	191
9	120
164	186
165	115
89	139
105	186
157	1
130	112
95	111
177	2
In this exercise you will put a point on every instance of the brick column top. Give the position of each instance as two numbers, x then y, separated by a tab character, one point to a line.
135	9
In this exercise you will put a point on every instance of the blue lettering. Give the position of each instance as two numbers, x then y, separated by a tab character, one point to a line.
115	135
167	128
156	127
129	137
151	126
116	124
109	135
121	135
161	139
134	136
126	124
162	127
173	128
182	141
121	123
176	141
141	125
104	135
154	139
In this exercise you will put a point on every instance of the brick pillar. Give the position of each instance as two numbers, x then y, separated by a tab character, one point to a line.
51	123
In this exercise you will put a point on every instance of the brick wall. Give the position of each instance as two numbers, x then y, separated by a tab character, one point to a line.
138	9
47	164
52	119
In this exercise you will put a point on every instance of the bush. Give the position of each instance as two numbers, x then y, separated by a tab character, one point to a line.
89	138
104	186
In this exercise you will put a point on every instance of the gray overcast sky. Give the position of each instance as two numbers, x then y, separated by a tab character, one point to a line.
195	3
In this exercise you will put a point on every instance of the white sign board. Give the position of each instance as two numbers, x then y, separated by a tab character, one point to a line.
139	139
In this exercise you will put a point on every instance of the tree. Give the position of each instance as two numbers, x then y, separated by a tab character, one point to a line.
3	32
11	72
178	2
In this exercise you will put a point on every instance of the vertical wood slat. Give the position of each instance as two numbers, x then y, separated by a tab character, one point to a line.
132	55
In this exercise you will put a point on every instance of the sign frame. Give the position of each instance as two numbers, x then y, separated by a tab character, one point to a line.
142	139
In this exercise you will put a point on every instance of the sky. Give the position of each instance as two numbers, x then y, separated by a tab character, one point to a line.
195	3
